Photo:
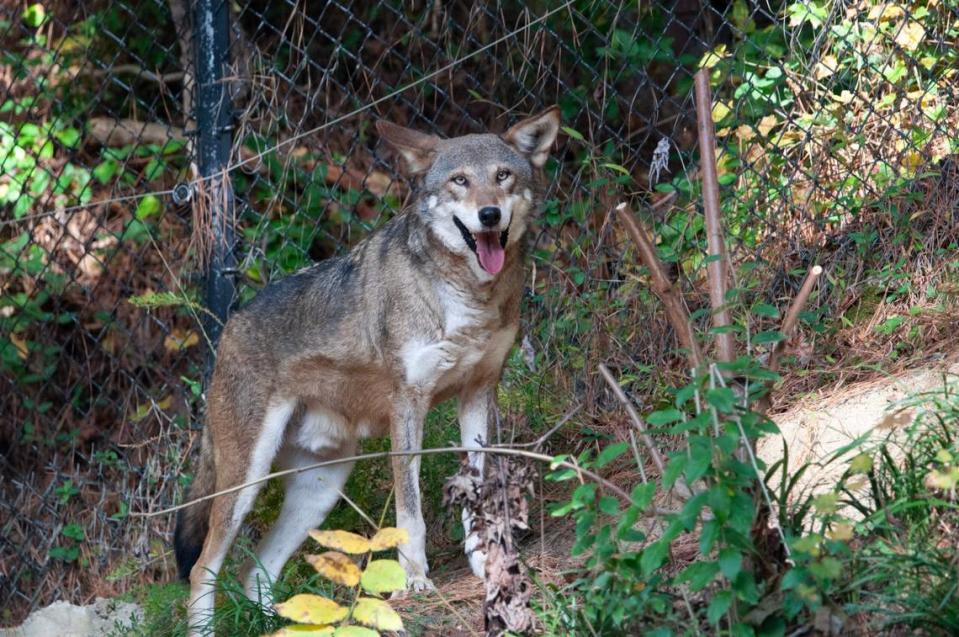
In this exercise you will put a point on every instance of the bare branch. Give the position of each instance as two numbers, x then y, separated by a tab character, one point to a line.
139	72
716	268
787	329
420	452
663	288
108	131
792	315
679	486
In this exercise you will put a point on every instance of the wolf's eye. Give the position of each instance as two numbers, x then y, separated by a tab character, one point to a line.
460	180
503	175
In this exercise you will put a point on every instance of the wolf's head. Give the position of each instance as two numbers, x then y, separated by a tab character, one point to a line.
477	191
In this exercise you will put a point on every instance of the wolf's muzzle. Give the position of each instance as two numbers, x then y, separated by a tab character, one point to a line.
490	251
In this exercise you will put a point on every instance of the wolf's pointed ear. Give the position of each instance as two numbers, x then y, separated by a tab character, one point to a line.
534	135
418	149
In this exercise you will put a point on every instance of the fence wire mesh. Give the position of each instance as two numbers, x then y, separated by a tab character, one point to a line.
837	129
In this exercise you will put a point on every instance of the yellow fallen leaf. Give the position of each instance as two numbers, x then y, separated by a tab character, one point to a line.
336	567
342	541
311	609
179	340
910	36
21	346
377	613
305	630
388	537
712	58
745	133
842	531
886	12
788	138
766	124
826	67
720	111
843	98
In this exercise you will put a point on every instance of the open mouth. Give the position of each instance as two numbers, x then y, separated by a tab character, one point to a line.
489	247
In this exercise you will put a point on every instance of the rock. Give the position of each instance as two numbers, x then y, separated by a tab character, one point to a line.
102	618
819	426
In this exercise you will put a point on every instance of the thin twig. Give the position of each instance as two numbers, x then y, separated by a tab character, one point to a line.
536	444
139	72
787	329
662	287
716	267
792	315
419	452
679	486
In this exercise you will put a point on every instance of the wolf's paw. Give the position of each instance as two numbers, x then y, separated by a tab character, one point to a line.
415	584
478	563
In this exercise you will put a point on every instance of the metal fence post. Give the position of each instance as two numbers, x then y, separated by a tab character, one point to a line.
214	118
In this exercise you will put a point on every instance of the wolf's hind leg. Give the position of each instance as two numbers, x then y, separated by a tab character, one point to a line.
474	413
309	497
228	511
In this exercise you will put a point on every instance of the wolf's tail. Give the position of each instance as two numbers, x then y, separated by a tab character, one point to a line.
193	522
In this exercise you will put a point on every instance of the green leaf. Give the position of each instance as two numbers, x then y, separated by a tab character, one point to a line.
148	206
35	15
699	575
609	505
73	531
653	557
106	170
572	132
772	336
890	325
827	568
708	536
69	137
730	562
664	417
718	606
383	576
65	553
642	495
617	168
723	399
674	469
377	613
609	454
765	309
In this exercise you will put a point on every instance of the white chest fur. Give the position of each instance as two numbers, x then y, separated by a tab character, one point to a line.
470	336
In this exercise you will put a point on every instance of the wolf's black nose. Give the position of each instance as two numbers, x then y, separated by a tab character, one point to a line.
489	216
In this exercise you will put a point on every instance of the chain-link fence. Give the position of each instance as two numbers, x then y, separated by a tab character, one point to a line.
143	194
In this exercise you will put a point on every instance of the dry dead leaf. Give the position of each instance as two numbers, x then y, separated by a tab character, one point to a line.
342	541
388	538
180	339
311	609
910	36
21	346
335	567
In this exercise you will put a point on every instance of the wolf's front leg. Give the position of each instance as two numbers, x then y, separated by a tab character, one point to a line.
406	434
476	411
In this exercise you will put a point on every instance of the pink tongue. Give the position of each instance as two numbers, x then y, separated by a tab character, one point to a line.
490	252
